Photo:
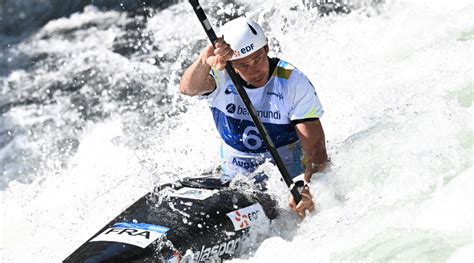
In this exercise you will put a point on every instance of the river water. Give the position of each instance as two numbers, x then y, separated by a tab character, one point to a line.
91	120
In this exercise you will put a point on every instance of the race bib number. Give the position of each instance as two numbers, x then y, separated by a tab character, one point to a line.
251	139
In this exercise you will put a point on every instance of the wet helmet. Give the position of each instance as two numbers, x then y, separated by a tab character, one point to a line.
244	36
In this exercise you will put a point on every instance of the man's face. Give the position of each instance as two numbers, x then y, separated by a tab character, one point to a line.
254	69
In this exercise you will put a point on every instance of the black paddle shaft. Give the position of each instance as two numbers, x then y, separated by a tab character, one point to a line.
248	104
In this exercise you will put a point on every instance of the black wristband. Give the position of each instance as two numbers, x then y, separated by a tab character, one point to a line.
300	185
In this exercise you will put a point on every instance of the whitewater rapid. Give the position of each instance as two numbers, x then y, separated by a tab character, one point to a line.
395	80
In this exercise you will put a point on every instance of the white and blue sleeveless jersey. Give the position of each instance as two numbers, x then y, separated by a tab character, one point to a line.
288	96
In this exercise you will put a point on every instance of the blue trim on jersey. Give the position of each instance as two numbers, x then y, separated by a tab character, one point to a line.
282	63
232	129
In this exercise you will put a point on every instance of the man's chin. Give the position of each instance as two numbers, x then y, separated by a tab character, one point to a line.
257	83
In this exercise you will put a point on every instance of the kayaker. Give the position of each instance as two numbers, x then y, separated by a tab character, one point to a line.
284	98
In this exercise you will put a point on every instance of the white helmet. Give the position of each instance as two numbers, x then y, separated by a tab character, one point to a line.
244	36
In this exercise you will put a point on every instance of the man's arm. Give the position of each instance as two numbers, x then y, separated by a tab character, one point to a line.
312	139
196	79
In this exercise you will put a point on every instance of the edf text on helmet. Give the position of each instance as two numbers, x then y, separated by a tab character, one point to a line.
246	49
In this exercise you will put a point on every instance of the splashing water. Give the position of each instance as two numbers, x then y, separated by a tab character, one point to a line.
92	120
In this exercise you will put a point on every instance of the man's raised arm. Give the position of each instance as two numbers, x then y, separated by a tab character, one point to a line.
196	79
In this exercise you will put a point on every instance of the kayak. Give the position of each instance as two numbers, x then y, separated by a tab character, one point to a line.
191	220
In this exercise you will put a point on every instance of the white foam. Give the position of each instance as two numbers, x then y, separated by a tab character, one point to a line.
400	182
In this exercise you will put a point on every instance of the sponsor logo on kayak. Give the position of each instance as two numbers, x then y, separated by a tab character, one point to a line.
216	251
261	113
137	234
247	216
192	193
243	219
